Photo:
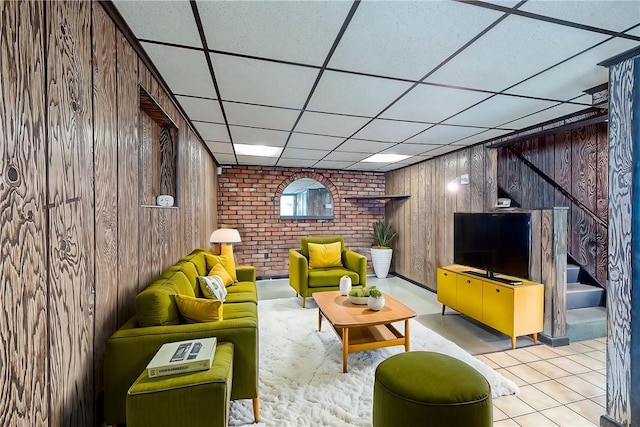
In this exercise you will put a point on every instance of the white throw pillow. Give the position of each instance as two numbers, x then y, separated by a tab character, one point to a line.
213	287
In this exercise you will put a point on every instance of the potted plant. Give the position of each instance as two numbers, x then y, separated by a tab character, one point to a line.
381	252
376	300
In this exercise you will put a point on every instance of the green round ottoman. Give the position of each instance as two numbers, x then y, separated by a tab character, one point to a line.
421	387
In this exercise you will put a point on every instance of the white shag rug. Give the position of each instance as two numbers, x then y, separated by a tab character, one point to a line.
301	379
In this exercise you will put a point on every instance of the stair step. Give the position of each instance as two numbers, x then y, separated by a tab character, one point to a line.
586	323
572	273
582	296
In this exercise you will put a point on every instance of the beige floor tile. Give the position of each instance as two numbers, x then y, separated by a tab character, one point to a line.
595	378
498	414
587	361
603	340
596	344
600	400
548	369
516	379
502	359
588	409
543	351
522	355
559	392
490	363
582	386
505	423
565	417
600	356
536	399
569	365
512	406
534	420
528	374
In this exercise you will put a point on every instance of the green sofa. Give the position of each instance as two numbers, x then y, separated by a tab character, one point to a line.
158	321
306	281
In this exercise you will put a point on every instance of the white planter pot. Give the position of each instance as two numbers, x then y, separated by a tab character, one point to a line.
376	303
345	285
381	260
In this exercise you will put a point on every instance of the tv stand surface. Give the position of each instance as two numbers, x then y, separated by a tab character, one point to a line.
495	278
512	310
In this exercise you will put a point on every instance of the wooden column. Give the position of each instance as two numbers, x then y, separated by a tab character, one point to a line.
623	290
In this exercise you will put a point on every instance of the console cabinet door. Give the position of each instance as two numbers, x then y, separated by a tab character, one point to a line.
470	296
498	307
447	288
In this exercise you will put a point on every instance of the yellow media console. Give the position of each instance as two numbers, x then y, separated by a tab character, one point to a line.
513	309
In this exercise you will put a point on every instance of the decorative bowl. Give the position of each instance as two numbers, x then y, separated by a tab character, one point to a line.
358	300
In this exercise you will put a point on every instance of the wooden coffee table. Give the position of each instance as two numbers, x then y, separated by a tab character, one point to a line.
360	328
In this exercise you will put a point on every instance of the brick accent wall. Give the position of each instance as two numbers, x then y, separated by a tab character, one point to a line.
249	200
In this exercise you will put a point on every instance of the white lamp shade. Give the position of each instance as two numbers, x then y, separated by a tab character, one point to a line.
225	235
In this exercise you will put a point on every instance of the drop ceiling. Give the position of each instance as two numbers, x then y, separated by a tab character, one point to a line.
331	83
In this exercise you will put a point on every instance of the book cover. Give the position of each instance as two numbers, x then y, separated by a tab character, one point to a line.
182	356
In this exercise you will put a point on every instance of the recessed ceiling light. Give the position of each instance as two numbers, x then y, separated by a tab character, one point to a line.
257	150
386	158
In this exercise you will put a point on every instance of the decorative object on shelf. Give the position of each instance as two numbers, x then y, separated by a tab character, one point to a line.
381	252
345	285
376	299
454	185
164	200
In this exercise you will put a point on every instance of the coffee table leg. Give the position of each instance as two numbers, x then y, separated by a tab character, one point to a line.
407	335
345	349
319	320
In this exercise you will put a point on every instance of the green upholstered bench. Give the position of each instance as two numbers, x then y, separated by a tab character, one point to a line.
192	399
421	387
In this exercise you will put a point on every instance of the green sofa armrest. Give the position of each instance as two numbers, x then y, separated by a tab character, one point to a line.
130	349
357	262
246	273
298	271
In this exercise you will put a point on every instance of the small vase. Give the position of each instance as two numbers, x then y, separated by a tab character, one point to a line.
375	303
345	285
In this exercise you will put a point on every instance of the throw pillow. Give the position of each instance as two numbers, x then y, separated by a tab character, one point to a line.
227	262
197	310
219	270
230	261
213	287
325	255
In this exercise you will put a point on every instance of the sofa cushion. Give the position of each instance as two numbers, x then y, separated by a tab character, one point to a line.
213	260
325	255
197	257
198	310
220	271
156	305
304	243
322	277
189	269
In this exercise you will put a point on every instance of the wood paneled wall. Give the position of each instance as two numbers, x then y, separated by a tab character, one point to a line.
576	160
424	222
76	243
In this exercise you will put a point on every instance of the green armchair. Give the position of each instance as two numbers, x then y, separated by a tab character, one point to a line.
306	281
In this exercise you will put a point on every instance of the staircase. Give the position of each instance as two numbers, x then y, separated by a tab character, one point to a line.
586	311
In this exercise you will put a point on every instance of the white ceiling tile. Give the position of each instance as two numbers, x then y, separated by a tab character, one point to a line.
300	153
220	147
330	124
512	51
204	110
480	137
303	140
634	32
355	94
165	21
174	62
432	104
296	163
498	110
257	160
573	77
225	159
257	116
546	115
212	131
296	31
262	82
254	136
407	39
332	164
390	130
610	15
360	146
346	156
410	149
442	150
443	134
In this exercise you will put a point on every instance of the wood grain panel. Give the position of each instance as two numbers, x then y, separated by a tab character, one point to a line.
562	168
583	165
406	205
24	392
146	80
546	156
513	177
439	210
146	247
530	180
602	254
416	265
71	287
431	205
463	195
547	270
476	178
535	261
106	180
583	243
128	179
602	172
490	183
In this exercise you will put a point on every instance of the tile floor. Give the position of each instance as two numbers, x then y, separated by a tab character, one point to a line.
561	386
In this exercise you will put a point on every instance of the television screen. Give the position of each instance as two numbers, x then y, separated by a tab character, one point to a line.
497	242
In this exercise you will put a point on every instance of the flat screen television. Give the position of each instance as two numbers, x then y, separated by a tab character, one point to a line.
498	242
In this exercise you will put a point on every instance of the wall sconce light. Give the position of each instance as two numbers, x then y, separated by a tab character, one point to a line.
456	183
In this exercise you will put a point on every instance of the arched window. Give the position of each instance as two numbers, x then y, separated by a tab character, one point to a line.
306	198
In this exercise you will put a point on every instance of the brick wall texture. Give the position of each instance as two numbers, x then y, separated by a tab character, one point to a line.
249	200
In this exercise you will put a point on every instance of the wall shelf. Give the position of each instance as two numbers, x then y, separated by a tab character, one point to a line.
382	197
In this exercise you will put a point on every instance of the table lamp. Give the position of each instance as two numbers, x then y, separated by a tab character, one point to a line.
225	237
